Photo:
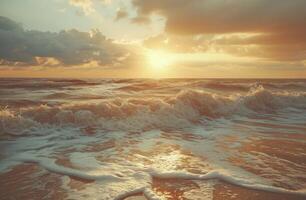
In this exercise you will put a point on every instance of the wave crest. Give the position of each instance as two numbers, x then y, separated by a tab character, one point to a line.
178	111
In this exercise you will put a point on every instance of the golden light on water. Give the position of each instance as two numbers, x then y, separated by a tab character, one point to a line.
168	161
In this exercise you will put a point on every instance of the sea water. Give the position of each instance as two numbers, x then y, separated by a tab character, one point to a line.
159	139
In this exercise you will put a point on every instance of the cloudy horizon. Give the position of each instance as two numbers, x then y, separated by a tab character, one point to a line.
153	39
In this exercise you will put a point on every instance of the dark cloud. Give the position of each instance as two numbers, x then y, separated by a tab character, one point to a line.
277	27
68	48
8	24
227	16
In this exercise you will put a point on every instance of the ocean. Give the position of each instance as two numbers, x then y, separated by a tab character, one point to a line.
152	139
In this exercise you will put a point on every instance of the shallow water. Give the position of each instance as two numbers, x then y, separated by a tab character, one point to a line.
153	139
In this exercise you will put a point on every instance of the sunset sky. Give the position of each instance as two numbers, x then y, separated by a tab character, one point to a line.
153	38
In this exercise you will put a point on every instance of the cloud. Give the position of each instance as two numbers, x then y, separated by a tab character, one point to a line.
65	48
280	47
121	13
85	5
179	44
141	20
227	16
283	46
107	1
275	29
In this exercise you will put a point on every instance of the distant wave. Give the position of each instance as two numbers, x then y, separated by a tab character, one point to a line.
43	83
59	95
151	84
247	85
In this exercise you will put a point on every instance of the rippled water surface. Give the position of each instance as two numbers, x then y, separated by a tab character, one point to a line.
152	139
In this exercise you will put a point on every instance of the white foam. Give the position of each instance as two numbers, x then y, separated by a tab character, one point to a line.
181	110
229	179
53	128
50	165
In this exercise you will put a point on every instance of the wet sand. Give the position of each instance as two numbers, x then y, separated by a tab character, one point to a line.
29	181
175	189
283	157
223	191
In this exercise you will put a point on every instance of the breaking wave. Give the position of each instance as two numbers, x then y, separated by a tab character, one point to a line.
123	136
181	110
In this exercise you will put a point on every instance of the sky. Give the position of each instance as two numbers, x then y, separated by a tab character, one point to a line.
153	38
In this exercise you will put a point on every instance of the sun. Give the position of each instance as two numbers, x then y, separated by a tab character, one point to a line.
158	59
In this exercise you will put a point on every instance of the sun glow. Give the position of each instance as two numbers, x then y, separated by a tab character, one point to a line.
160	59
